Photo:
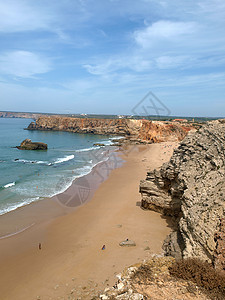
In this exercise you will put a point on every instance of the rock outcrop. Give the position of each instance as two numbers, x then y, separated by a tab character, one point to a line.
28	145
137	130
191	189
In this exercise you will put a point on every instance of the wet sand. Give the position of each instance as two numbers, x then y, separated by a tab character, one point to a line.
71	263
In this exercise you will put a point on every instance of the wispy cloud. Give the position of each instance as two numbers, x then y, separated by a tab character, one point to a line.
16	16
23	64
112	49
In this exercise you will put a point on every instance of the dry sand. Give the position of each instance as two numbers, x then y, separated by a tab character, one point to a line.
71	263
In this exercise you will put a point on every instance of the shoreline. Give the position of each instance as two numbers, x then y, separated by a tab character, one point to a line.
71	255
114	149
61	203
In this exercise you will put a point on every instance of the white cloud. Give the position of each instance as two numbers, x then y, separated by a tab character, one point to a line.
163	30
130	62
171	62
16	16
50	16
23	64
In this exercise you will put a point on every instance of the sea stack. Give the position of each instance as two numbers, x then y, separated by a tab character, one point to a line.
29	145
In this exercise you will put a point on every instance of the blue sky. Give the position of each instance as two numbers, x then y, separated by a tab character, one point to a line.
104	56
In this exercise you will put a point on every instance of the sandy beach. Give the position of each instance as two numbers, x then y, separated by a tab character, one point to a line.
70	263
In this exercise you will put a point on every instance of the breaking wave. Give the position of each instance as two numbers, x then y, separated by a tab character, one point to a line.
9	185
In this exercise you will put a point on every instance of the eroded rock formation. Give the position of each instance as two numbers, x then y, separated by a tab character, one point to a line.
28	145
156	131
139	130
191	188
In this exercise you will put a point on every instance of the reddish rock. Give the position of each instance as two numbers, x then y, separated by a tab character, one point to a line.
139	130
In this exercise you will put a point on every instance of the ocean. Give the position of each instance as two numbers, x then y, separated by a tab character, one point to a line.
27	176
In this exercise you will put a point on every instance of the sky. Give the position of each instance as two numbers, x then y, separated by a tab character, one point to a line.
105	56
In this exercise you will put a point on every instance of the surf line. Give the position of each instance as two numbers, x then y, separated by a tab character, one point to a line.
17	232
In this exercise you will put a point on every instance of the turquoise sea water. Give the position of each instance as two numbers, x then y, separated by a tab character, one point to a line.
27	176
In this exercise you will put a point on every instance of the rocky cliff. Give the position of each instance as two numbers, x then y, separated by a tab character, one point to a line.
191	188
25	115
148	131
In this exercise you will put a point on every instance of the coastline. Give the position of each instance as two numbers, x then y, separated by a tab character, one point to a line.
71	253
78	193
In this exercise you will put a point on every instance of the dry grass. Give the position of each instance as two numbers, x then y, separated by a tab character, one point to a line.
202	274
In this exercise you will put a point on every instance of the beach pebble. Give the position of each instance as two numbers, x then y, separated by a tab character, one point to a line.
120	286
104	297
127	243
147	248
119	226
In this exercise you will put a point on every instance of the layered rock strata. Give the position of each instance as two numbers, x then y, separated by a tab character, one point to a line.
137	130
191	188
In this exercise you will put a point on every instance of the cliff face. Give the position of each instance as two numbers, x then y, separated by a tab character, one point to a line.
163	131
149	131
191	188
24	115
96	126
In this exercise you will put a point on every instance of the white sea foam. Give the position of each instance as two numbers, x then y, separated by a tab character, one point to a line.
81	172
87	149
116	137
61	160
106	143
41	162
85	170
17	205
9	185
25	161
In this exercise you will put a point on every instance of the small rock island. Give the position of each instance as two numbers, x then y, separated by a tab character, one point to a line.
27	144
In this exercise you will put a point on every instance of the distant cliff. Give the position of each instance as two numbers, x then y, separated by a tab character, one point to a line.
191	188
25	115
148	131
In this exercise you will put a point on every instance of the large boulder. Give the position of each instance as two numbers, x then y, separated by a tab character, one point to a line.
28	145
